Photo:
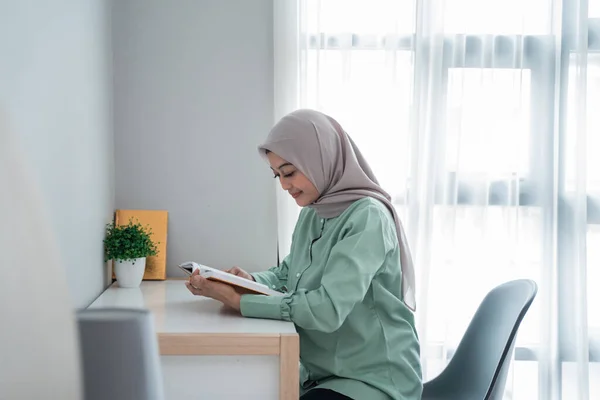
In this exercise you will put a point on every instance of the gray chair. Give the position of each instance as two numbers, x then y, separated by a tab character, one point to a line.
479	367
119	355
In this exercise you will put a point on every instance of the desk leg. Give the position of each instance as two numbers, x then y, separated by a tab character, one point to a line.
289	374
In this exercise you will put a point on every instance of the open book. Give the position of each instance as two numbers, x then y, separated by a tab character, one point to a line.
245	285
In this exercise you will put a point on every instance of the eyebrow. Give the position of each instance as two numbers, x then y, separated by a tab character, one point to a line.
284	165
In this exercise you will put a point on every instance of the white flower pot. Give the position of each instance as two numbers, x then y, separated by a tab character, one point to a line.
129	273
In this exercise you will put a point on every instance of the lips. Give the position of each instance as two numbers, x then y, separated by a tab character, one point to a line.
295	195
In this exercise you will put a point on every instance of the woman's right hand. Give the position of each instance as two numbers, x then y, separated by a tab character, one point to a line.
237	271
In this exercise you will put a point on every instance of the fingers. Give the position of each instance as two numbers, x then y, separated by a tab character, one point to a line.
194	273
235	271
201	286
196	292
198	281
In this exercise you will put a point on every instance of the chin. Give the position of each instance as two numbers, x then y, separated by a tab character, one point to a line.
304	202
301	202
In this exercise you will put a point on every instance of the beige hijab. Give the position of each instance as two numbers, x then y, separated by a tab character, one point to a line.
317	145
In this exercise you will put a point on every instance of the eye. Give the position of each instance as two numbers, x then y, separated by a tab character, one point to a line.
285	175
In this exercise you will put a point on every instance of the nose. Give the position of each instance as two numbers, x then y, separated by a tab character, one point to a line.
285	184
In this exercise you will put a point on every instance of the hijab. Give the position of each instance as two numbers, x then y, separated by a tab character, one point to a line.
317	145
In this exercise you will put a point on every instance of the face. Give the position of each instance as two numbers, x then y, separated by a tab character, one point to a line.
293	181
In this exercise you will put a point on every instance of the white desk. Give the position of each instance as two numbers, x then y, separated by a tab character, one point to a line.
211	352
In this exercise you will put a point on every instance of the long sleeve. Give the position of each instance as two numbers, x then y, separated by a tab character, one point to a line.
352	263
276	277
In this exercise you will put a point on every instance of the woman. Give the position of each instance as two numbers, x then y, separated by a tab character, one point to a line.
349	276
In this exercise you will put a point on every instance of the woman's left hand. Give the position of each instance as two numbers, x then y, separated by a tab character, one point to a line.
226	294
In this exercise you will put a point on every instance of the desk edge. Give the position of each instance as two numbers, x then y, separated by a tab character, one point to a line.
219	344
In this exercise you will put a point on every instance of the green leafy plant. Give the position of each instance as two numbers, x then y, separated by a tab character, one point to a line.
128	242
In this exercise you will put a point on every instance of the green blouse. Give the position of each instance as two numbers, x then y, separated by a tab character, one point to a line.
343	280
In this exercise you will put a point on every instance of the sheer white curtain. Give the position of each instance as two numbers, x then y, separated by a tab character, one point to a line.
482	119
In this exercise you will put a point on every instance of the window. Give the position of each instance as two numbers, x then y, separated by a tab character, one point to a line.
484	81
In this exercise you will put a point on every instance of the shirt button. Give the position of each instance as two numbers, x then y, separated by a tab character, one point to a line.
273	286
298	275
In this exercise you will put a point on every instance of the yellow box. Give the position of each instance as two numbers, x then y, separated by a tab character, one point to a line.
157	221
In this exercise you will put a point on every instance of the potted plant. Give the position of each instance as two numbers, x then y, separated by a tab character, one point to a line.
128	246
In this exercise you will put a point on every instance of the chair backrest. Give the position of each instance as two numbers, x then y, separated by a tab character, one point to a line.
480	364
119	355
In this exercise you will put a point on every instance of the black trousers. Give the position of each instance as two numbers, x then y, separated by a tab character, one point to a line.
324	394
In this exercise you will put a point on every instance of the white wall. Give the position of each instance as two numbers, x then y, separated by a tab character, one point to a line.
193	97
55	91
